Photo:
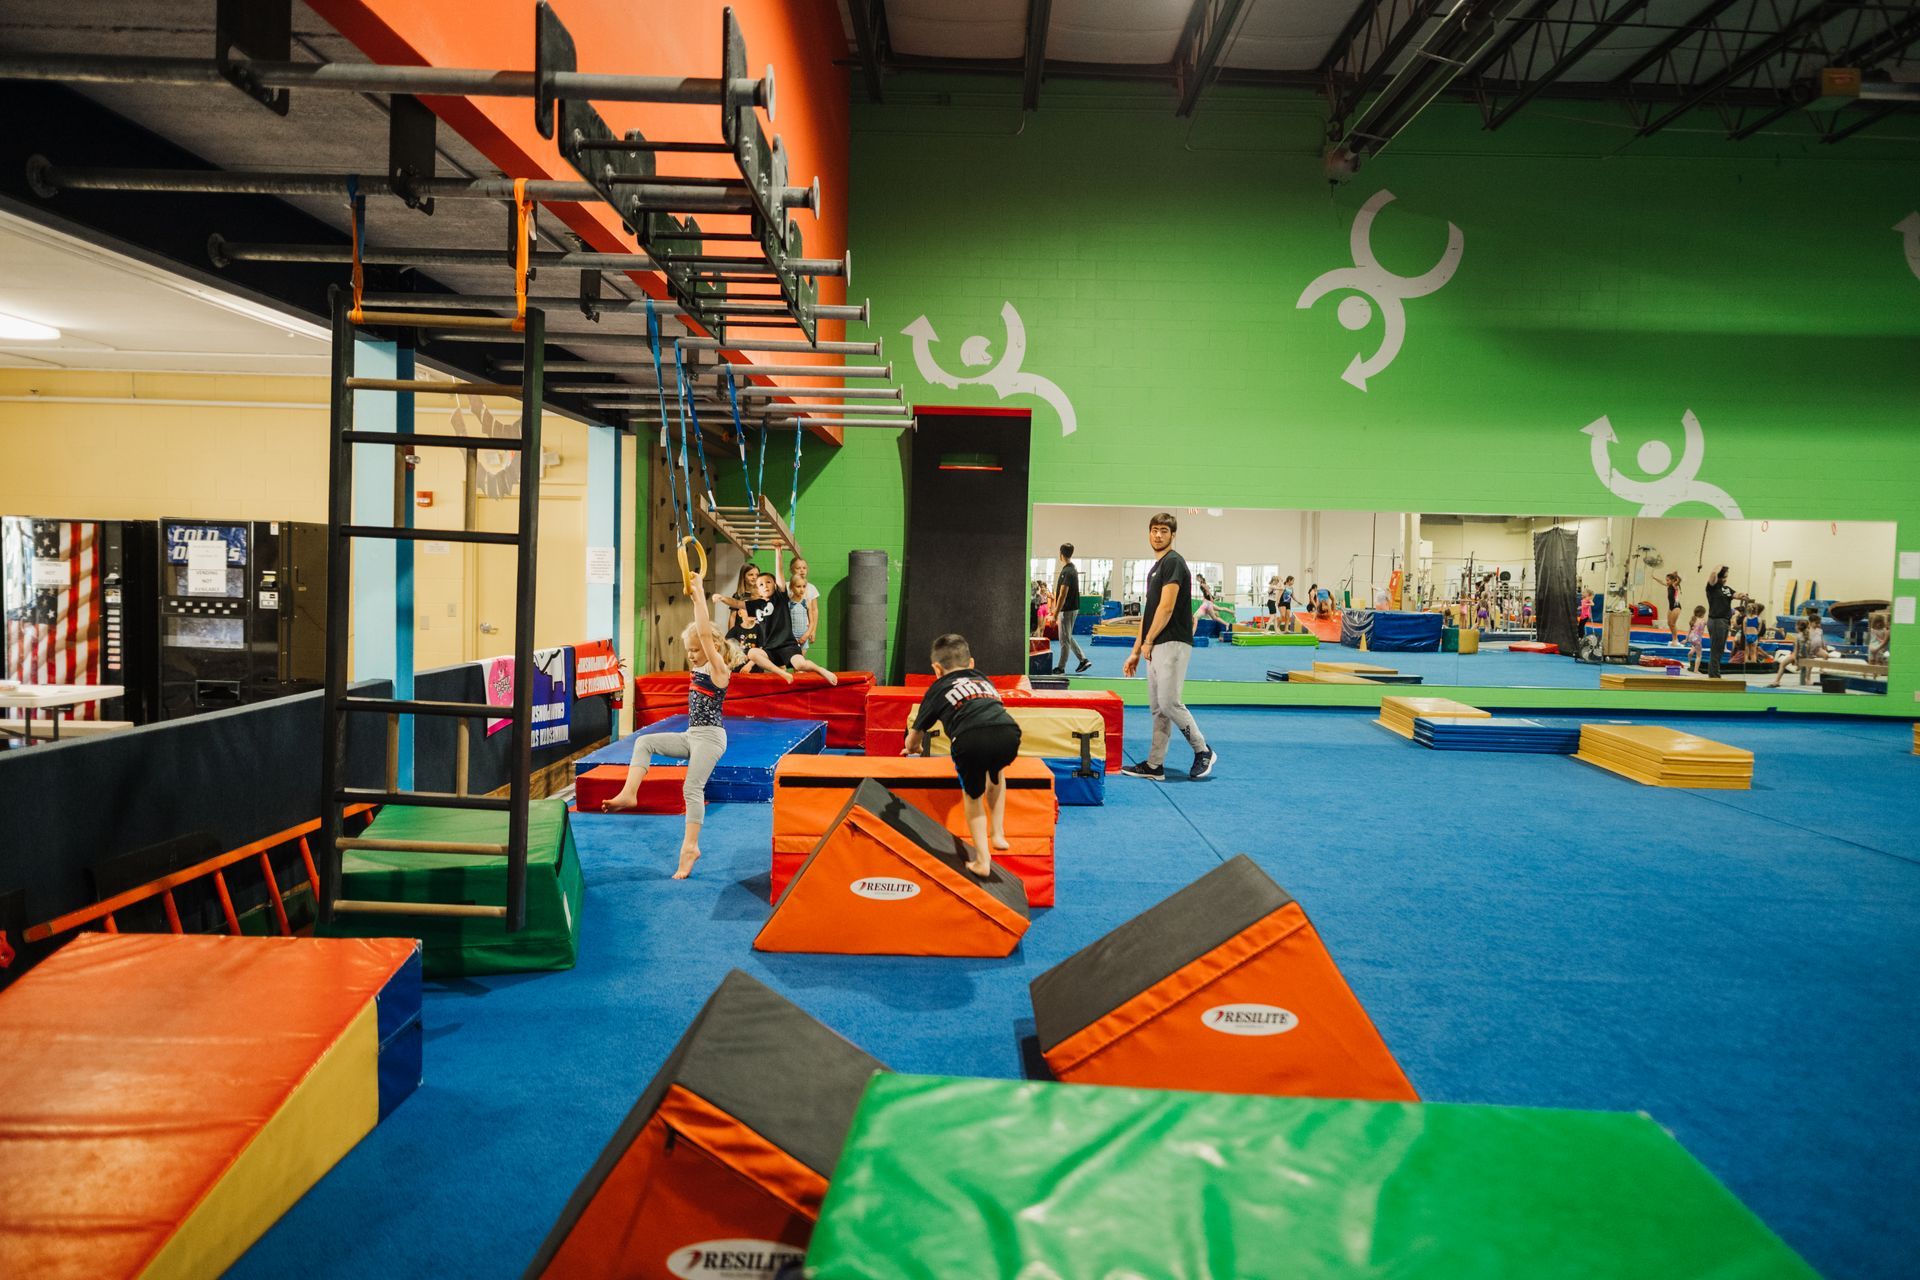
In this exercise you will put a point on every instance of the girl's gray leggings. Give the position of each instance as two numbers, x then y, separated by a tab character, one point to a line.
701	747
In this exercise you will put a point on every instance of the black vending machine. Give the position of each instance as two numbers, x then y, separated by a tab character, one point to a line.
243	612
79	607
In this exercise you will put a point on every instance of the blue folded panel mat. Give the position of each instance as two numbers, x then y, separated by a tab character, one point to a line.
1496	733
745	773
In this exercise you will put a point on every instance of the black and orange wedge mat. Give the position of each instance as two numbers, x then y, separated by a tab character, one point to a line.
164	1098
888	880
1226	987
810	791
726	1153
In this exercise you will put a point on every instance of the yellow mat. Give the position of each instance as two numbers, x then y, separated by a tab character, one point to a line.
1653	681
1046	732
1325	677
1662	757
1398	714
1357	668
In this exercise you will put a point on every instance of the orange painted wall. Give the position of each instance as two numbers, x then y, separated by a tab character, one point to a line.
800	38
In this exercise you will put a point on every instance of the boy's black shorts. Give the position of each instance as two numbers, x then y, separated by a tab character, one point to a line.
980	754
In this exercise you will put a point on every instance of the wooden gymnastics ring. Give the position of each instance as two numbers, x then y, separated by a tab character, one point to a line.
686	571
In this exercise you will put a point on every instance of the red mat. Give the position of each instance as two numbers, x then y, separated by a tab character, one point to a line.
1532	646
755	695
661	791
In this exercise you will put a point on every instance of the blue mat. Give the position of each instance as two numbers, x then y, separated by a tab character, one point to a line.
745	773
1070	786
1391	631
1496	733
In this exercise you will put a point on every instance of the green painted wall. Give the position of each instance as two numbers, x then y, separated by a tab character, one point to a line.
1156	264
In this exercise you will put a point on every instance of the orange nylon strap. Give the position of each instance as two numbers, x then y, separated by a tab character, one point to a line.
357	219
523	210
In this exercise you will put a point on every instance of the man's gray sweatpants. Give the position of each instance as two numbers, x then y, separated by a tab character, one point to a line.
1166	673
1067	642
701	747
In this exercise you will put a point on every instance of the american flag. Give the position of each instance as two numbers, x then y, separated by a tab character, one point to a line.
52	603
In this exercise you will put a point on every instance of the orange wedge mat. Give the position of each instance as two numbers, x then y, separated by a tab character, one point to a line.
1398	714
1643	682
1661	757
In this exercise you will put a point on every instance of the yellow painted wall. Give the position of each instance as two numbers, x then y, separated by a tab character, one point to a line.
132	446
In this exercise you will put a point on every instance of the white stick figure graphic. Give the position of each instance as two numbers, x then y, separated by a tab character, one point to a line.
1909	229
1005	377
1375	286
1672	484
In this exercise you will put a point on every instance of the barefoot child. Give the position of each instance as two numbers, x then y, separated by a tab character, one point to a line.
705	740
1696	638
985	740
780	647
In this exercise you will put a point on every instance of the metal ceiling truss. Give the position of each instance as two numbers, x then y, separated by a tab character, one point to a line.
1197	58
870	39
1039	12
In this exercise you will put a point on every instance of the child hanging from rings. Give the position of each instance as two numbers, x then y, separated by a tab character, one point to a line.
985	740
709	662
778	647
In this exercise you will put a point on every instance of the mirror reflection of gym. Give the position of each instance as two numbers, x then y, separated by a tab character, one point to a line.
1452	599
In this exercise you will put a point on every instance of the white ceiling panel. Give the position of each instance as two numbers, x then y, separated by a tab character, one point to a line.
1116	31
1287	35
945	29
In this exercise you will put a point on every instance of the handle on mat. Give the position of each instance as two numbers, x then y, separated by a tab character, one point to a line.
686	570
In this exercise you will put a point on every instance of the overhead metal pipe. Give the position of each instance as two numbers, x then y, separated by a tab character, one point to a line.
351	77
224	251
773	344
817	370
759	392
609	306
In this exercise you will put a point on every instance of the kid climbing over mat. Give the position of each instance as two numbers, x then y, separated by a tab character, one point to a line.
710	658
985	740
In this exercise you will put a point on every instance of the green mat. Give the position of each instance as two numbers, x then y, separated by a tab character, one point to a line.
455	946
950	1177
1302	638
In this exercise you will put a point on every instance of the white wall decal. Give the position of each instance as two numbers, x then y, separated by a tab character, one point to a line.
1672	483
1909	229
1006	377
1375	286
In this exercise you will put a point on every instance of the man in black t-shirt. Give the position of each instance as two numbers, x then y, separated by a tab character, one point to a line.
985	740
1066	608
1166	643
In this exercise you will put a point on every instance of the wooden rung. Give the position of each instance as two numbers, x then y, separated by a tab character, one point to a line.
424	846
466	909
425	387
429	320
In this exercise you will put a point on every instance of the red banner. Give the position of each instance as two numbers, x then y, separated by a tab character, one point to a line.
597	670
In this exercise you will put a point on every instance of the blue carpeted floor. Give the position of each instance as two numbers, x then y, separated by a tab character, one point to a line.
1524	929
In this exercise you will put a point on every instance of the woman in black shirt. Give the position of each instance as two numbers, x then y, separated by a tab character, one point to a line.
1720	598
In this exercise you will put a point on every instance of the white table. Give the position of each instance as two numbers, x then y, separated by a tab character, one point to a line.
29	698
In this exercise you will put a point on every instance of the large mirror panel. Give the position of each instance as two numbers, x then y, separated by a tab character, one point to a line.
1525	601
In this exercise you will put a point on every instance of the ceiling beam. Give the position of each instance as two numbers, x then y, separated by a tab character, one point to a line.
1035	67
1458	42
1362	17
1867	54
1200	50
1866	121
1526	24
1744	65
866	39
1587	44
1688	30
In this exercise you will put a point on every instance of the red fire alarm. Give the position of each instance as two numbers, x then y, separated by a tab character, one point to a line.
423	498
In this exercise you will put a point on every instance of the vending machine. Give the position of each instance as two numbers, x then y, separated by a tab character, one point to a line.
242	612
80	604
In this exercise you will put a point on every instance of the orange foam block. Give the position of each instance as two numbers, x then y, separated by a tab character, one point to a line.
888	880
1224	987
809	791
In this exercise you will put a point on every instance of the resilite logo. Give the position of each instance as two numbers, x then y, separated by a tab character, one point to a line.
1249	1019
884	888
732	1259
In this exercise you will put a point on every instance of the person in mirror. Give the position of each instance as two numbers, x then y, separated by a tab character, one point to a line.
710	664
1166	646
1286	604
1751	629
1273	604
1673	606
1036	607
1208	609
1720	598
779	648
1696	637
1808	642
985	740
1879	637
1066	611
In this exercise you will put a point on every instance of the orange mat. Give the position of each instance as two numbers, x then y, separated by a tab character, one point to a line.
165	1098
810	791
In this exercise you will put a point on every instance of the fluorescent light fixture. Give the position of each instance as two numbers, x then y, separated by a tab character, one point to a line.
14	329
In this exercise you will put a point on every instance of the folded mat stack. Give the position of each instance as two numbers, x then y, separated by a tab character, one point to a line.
1398	714
1662	757
743	776
1301	638
964	1178
1326	677
468	944
1495	733
1643	681
165	1098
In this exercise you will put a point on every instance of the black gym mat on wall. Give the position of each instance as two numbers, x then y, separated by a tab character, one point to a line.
966	558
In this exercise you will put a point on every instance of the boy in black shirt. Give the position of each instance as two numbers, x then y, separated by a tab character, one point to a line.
985	740
1066	609
1166	645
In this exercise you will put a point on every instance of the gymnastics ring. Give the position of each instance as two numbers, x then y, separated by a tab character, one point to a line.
687	572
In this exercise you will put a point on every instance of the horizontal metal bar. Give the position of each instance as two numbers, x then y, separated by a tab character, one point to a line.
412	706
422	799
419	320
755	391
224	252
908	423
633	145
774	344
417	440
424	846
427	387
816	370
395	534
563	367
805	266
507	302
781	409
464	909
353	77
